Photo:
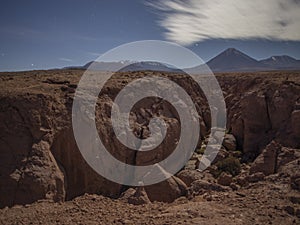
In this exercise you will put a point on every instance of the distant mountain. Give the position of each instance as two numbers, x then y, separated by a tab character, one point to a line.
230	60
148	65
233	60
281	62
102	66
107	66
126	66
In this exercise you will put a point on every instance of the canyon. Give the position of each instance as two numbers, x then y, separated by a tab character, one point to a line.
41	166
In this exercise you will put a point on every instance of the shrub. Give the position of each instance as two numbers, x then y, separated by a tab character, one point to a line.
201	150
230	165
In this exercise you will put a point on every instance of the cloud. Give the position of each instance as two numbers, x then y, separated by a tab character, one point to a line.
96	54
187	22
65	59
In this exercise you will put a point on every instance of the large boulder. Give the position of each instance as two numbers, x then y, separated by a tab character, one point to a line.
266	162
189	176
168	190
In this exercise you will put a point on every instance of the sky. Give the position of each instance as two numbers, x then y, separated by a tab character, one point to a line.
37	34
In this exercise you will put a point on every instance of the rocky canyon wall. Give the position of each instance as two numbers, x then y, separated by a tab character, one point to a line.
39	158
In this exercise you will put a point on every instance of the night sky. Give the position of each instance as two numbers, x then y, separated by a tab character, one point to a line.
37	34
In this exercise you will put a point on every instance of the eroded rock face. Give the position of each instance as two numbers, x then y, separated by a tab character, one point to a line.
79	177
261	111
37	177
256	122
28	170
39	157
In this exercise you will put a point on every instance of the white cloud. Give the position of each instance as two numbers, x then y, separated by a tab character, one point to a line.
187	22
65	59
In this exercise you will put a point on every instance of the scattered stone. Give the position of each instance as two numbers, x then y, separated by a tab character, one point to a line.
222	154
137	196
229	142
240	194
200	187
189	176
241	180
295	182
285	156
225	179
234	186
295	199
255	177
290	210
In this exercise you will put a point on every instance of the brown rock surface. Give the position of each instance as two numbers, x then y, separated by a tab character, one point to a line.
39	158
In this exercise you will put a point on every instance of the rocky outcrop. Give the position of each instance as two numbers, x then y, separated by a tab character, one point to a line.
39	157
28	169
275	159
261	110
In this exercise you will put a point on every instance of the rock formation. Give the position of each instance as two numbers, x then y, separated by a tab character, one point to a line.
39	158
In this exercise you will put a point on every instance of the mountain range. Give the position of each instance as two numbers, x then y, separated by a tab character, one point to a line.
233	60
230	60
